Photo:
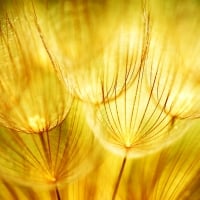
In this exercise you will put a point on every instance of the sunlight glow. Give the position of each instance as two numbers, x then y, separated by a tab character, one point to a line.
99	100
37	123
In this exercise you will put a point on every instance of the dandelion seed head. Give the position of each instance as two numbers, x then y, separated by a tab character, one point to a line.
103	76
98	75
53	157
133	124
133	65
28	79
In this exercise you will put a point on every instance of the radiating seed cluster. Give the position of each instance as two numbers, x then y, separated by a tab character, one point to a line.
99	100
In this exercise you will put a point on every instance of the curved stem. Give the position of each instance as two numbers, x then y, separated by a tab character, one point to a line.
119	177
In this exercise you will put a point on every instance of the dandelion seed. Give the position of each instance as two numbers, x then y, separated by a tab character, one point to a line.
132	124
128	69
173	66
52	158
101	72
33	99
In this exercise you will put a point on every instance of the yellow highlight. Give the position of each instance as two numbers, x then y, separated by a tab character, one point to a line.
37	123
96	99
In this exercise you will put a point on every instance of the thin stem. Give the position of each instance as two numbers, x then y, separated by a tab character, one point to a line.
58	194
119	177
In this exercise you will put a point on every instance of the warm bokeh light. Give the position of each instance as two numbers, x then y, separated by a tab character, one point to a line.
99	100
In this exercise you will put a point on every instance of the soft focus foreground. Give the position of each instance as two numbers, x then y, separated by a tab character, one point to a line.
99	100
